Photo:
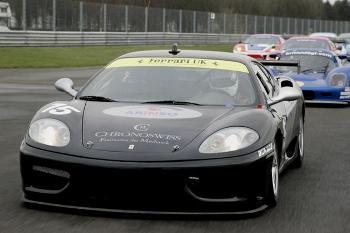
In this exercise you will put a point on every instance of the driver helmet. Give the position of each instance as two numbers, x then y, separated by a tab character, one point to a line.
228	84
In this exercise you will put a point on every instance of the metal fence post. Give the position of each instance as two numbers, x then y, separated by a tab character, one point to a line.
224	23
236	23
194	21
302	26
246	24
105	17
53	15
281	25
273	24
288	26
24	15
180	21
81	16
265	25
209	22
255	24
146	19
126	18
315	26
163	20
295	26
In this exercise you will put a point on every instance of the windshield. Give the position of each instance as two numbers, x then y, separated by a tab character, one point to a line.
167	81
306	44
308	64
262	40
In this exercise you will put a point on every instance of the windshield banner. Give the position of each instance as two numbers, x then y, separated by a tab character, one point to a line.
179	62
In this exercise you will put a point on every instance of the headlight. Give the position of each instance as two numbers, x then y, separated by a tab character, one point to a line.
229	139
239	48
338	80
50	132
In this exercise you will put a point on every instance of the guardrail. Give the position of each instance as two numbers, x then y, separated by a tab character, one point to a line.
47	38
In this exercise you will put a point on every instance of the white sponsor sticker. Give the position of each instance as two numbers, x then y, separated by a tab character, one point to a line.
60	109
153	112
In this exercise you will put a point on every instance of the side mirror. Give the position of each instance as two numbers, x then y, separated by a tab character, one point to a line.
339	47
66	85
286	94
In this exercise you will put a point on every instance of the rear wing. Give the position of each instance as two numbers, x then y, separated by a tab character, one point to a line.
282	63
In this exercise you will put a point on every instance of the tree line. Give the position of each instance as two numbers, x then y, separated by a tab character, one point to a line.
314	9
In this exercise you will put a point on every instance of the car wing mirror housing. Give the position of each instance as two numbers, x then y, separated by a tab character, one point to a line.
286	94
342	57
66	85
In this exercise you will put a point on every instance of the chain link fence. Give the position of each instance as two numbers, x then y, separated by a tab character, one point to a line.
73	15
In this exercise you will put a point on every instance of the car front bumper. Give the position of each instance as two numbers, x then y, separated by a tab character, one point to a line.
222	186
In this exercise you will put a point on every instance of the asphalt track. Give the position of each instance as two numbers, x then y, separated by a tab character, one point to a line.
315	198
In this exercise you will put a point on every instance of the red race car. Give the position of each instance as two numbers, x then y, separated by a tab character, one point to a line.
259	46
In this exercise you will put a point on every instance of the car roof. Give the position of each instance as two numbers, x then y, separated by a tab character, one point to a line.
309	38
323	34
344	35
191	54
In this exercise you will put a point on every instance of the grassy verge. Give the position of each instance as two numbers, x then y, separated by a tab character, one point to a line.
54	57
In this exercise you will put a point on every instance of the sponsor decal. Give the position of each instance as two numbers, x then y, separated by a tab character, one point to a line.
179	62
152	112
138	134
136	137
60	109
142	127
265	150
309	53
300	84
344	97
345	94
347	88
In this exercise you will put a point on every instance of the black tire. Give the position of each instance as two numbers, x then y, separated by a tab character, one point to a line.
272	180
299	147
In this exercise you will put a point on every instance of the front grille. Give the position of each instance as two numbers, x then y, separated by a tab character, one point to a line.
309	95
326	94
150	189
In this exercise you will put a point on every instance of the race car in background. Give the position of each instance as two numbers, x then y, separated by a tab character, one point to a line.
319	72
305	42
259	46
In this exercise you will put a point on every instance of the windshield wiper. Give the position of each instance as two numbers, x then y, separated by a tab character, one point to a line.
96	98
173	102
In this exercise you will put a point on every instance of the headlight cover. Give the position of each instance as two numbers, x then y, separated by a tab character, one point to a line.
229	139
338	80
50	132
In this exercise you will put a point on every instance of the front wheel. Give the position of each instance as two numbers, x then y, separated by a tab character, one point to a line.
272	184
299	153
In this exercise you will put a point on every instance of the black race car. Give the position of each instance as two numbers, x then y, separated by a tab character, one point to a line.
174	132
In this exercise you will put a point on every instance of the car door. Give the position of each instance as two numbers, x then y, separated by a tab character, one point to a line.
284	110
290	108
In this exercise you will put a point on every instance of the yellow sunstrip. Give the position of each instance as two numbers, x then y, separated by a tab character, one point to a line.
179	62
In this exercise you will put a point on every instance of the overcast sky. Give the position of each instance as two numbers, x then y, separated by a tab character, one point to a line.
331	1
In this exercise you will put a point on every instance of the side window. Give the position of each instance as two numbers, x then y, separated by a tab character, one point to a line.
264	79
270	79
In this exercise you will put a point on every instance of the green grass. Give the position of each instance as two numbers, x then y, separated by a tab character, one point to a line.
54	57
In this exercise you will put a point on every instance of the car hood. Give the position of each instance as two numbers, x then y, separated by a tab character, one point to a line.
145	128
258	47
310	80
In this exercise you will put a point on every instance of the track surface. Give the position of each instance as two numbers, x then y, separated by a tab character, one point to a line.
315	198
